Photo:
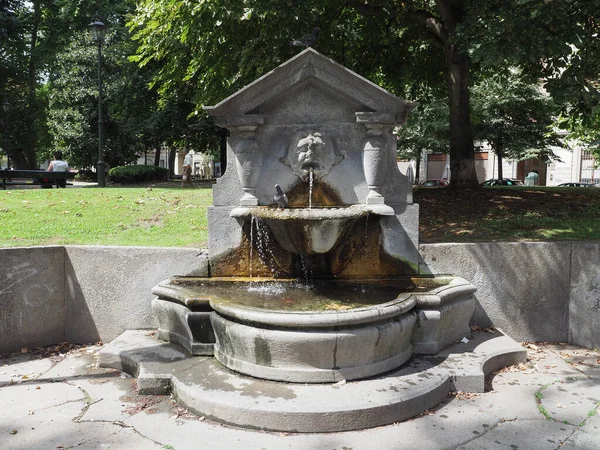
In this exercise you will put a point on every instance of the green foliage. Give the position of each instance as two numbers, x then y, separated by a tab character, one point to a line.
427	128
215	47
137	174
555	42
189	54
51	79
74	102
515	117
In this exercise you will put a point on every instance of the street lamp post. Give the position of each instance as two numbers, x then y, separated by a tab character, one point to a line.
97	29
6	108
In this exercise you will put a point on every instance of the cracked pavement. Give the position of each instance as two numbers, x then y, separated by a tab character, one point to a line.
64	401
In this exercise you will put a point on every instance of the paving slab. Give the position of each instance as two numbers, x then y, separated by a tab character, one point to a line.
74	364
21	399
22	367
502	403
571	400
586	436
110	398
522	434
86	407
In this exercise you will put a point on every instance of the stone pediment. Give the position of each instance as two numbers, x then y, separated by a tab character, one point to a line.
309	69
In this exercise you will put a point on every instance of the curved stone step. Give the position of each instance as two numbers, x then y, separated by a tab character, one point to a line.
209	389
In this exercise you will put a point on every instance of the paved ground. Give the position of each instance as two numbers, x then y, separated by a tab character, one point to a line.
62	400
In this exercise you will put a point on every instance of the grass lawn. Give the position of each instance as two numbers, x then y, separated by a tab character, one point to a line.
145	216
509	214
165	215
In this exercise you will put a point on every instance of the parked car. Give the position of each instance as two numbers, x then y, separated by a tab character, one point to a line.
578	185
502	182
434	183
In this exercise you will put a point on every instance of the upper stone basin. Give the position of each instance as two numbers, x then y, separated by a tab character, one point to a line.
308	231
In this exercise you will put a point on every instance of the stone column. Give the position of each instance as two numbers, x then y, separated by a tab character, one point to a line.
374	163
248	154
375	152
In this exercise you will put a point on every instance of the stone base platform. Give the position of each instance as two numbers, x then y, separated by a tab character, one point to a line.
209	389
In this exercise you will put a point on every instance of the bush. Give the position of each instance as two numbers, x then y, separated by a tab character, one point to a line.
86	175
137	174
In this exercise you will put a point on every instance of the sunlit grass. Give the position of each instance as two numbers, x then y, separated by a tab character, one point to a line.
527	227
112	216
175	217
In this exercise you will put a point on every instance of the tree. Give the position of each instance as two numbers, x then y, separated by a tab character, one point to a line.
514	117
12	79
218	47
135	119
427	128
560	49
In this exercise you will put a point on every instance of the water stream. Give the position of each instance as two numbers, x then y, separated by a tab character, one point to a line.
310	188
252	225
263	242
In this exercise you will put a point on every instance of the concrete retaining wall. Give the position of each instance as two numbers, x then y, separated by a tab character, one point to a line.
83	294
533	291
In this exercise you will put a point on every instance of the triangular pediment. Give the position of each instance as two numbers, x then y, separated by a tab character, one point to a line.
310	101
311	69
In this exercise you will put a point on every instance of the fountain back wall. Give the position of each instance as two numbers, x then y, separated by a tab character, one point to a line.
325	135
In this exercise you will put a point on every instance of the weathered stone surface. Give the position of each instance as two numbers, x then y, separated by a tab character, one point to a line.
215	392
532	435
522	288
439	327
313	355
32	297
93	410
571	400
584	307
109	288
536	313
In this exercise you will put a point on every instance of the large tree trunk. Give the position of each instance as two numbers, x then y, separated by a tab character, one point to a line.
172	155
462	151
17	159
500	172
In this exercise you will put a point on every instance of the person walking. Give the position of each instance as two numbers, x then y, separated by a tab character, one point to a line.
188	162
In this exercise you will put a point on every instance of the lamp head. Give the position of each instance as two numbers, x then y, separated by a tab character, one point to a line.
97	29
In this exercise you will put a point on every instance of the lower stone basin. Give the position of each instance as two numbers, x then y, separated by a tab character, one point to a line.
330	331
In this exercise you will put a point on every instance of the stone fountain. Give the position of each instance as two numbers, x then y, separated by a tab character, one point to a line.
316	306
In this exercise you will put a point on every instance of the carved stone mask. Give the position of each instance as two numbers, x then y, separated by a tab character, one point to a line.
311	151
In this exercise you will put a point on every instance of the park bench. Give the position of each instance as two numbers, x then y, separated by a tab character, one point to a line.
35	177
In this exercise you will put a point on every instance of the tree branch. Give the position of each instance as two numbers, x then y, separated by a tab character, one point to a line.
433	24
364	8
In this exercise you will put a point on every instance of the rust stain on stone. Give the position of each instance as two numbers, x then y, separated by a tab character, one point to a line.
322	195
